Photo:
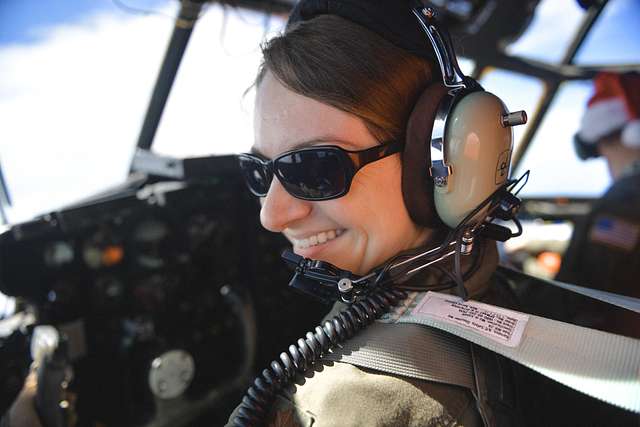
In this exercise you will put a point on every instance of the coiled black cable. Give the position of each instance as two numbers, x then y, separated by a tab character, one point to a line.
308	351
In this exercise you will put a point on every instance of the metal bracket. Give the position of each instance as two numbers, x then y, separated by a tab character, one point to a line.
440	40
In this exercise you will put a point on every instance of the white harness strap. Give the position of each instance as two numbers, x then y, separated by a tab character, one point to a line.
600	364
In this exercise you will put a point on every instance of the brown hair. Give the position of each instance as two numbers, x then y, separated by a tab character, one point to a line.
344	65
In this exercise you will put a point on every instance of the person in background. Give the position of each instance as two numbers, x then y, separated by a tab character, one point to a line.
604	251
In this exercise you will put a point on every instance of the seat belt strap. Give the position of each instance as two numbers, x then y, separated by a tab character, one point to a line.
411	351
630	303
600	364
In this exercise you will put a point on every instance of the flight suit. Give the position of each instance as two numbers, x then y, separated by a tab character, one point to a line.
340	394
604	253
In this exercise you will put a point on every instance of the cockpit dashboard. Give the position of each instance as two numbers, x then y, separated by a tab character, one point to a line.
159	275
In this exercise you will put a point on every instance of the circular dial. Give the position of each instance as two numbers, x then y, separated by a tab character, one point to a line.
171	374
102	249
59	253
150	243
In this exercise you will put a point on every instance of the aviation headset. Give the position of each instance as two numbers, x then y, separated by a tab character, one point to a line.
463	132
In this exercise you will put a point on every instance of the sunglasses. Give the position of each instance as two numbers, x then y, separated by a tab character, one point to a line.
313	173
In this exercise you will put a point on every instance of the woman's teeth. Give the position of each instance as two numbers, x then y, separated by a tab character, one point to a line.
316	239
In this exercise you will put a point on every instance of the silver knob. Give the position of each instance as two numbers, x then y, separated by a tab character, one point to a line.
516	118
345	285
467	243
171	374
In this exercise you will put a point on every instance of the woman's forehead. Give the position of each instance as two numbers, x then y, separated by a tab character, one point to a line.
285	120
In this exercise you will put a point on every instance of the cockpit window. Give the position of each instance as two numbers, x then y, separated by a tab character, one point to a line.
615	38
556	170
547	39
76	78
207	112
75	84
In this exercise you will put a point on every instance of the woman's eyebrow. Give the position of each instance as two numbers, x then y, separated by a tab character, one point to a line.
327	140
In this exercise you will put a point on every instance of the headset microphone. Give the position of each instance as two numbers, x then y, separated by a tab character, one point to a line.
328	283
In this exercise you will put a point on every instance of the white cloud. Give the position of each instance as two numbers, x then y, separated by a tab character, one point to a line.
555	168
72	104
549	34
208	100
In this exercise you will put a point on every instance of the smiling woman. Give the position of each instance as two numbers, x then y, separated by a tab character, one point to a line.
331	90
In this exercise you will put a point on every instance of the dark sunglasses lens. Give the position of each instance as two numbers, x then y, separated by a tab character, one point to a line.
313	174
256	175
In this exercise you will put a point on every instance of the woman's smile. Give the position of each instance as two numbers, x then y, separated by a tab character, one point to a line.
313	244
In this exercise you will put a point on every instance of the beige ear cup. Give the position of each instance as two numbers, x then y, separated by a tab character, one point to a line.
417	185
476	146
478	149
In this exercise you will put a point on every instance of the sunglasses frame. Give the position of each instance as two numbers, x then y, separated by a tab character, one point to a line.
352	161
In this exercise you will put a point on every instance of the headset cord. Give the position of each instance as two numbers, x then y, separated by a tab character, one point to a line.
308	351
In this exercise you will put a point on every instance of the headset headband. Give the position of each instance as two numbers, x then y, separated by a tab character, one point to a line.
392	20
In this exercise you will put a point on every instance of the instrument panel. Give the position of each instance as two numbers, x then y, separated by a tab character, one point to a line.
136	279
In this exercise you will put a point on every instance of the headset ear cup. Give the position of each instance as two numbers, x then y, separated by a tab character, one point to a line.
417	184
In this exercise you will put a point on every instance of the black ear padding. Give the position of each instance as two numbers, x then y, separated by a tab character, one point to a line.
417	184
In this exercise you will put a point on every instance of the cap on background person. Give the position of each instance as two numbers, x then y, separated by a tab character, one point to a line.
613	107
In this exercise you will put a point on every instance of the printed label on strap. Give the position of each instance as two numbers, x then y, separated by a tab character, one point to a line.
501	325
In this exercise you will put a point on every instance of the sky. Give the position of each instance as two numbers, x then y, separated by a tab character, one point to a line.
76	77
73	94
555	169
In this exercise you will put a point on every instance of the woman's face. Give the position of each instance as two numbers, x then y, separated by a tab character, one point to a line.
356	232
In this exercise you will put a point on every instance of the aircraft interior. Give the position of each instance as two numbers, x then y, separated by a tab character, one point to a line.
159	300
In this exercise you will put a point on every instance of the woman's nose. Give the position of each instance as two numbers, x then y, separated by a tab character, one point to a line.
280	209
